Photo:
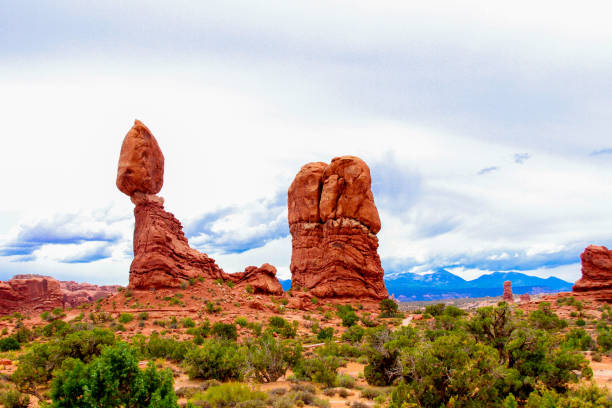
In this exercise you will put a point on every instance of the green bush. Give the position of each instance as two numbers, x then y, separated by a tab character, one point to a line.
9	343
326	333
217	359
353	334
14	399
233	395
345	380
320	369
36	366
125	318
187	322
225	331
388	308
112	380
270	358
347	314
545	318
242	321
578	339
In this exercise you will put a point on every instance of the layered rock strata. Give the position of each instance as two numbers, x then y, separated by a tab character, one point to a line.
27	293
162	255
333	223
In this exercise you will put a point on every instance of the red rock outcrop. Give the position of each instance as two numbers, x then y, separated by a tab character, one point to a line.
596	270
525	298
28	293
76	294
162	255
333	222
508	297
261	280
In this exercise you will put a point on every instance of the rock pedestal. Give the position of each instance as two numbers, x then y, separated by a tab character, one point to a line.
162	255
508	297
333	223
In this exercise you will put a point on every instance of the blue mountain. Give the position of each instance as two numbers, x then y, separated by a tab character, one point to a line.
443	284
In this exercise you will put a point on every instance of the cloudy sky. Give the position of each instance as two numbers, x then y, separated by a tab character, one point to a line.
487	128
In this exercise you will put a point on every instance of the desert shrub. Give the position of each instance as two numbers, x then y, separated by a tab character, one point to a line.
388	308
353	334
269	358
249	289
435	310
125	318
370	393
578	339
580	322
9	343
383	351
233	395
112	380
586	396
143	316
217	359
242	321
545	318
187	322
320	369
57	328
163	347
326	333
493	325
225	331
12	398
314	300
211	308
604	339
36	366
230	283
329	392
346	381
596	357
347	314
281	326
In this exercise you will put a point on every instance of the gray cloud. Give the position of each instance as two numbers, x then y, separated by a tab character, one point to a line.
520	158
601	152
487	170
237	229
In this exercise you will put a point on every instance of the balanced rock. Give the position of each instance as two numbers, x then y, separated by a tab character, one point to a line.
596	270
162	255
141	162
508	297
333	223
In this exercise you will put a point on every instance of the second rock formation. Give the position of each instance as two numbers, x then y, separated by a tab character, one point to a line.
333	222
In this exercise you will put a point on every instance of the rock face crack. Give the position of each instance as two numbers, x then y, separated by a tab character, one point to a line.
333	222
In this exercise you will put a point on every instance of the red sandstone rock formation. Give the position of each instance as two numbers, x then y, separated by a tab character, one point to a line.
162	255
333	222
28	293
525	298
261	280
596	270
76	294
508	297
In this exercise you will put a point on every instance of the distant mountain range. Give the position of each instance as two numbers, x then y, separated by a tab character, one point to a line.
443	284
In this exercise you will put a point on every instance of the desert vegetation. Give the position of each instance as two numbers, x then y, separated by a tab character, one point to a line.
498	355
